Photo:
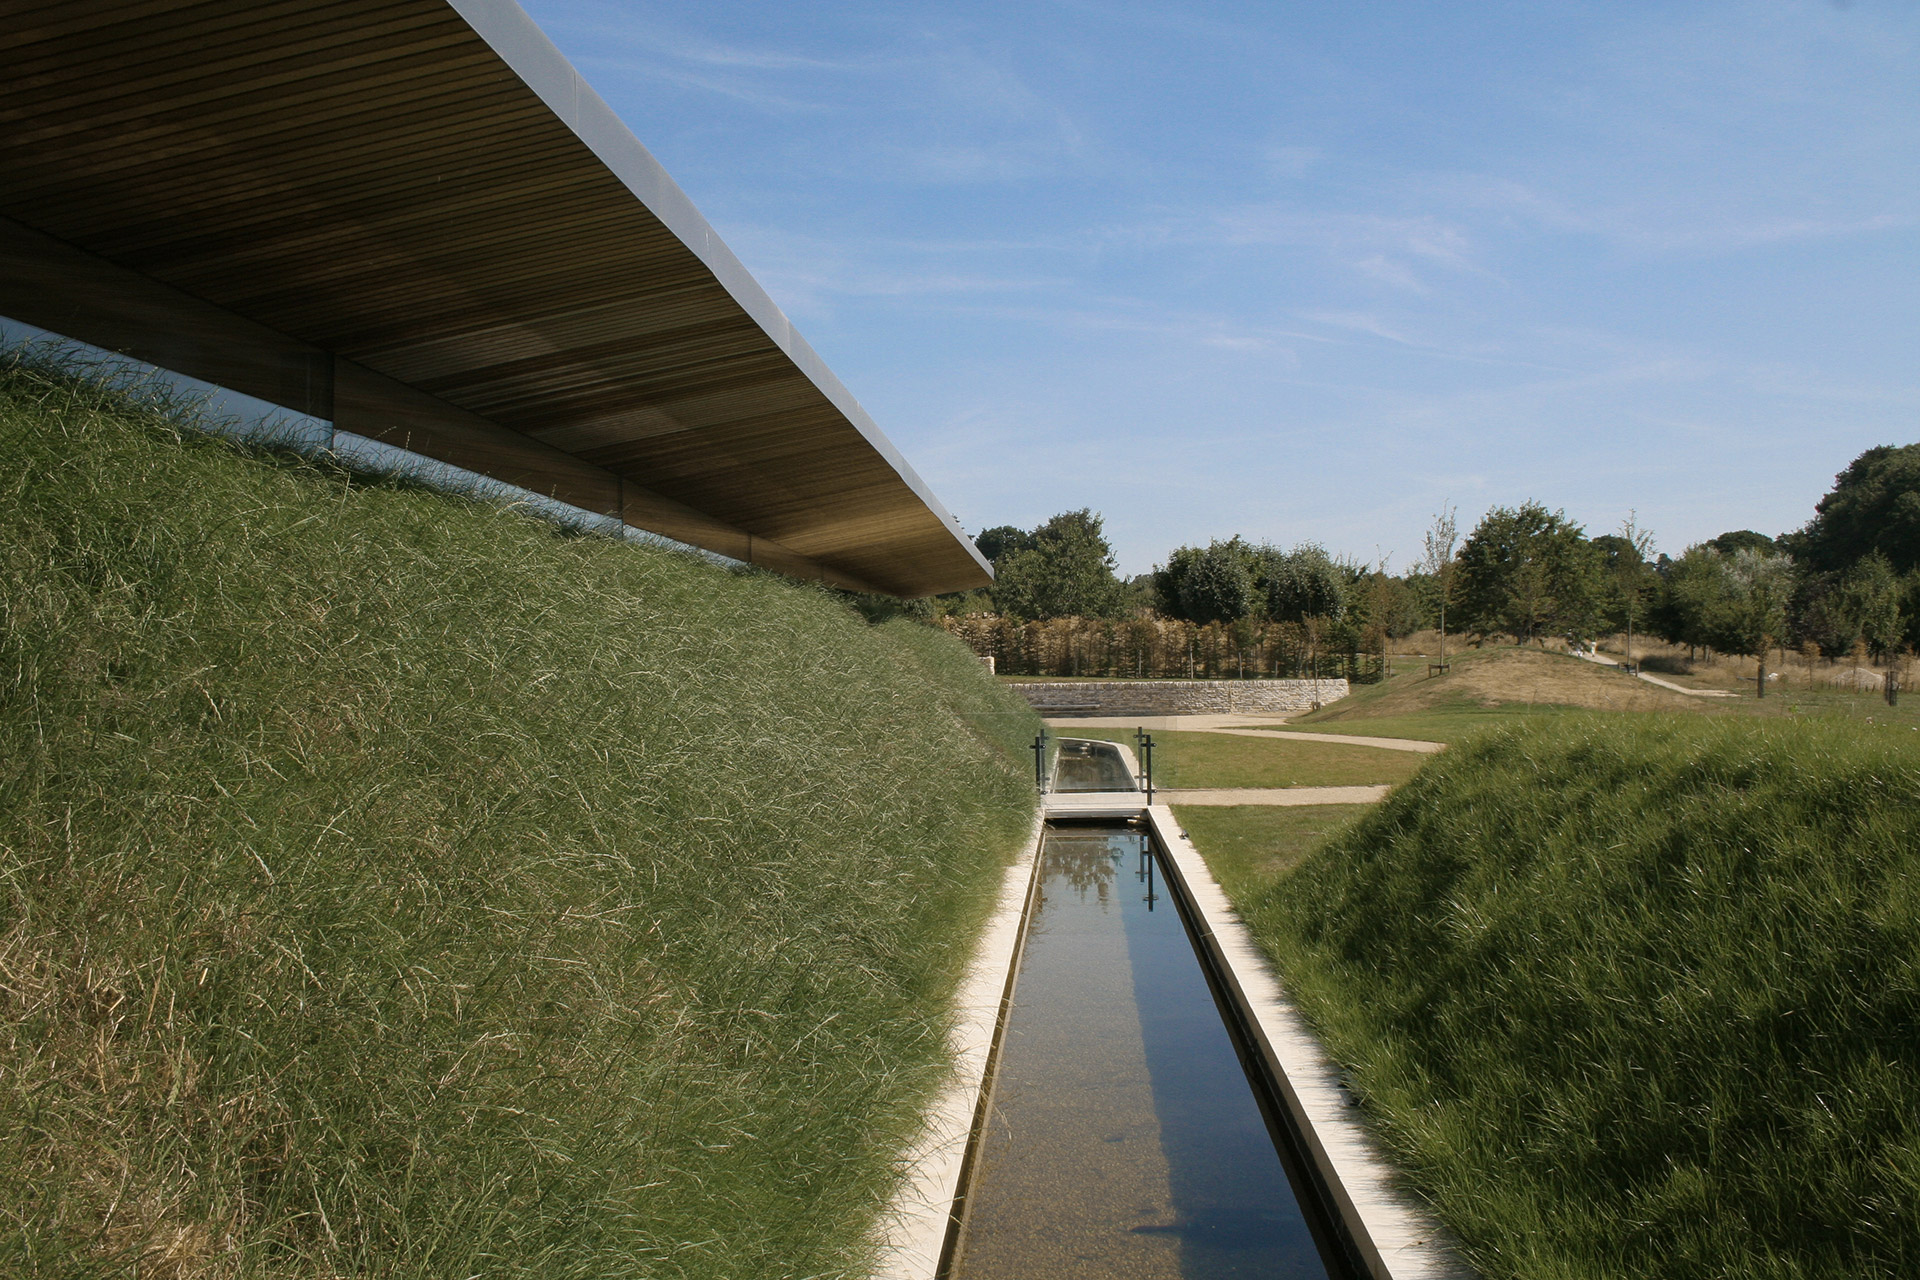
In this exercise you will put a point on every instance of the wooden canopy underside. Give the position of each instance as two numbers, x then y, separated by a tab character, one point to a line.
428	192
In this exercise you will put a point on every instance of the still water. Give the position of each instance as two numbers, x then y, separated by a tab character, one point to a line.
1087	765
1124	1140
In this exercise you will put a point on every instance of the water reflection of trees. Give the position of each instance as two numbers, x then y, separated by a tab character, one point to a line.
1086	862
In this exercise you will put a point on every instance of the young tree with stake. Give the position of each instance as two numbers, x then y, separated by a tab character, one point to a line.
1437	562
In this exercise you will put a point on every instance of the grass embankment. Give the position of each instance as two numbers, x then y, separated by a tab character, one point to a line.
1198	759
1505	685
1486	688
1634	996
394	886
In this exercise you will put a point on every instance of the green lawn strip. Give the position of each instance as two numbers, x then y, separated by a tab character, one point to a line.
391	884
1195	759
1633	996
1867	711
1248	847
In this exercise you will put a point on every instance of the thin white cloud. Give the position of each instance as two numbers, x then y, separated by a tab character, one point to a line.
736	88
1387	271
1733	236
1360	322
1650	224
928	106
1348	235
1292	161
724	55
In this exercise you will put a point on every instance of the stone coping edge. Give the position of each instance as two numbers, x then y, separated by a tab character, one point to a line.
1397	1238
915	1228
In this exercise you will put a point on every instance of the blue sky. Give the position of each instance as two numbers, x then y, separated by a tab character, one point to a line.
1308	272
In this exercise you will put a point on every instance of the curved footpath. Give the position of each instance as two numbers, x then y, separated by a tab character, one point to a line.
1664	684
1245	726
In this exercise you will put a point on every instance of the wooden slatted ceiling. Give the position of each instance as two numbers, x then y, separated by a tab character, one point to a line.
371	177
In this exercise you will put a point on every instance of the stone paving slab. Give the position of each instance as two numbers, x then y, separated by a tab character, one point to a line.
1094	804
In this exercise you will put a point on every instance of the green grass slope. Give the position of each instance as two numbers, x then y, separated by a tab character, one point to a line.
1636	997
391	885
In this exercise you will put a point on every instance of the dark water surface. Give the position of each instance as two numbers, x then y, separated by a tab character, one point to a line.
1125	1140
1085	765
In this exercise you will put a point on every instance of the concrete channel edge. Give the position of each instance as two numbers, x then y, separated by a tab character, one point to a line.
915	1226
1398	1239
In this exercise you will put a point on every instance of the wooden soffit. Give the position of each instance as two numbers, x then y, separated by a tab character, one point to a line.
430	191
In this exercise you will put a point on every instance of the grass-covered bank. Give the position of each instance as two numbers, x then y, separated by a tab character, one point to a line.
394	886
1635	996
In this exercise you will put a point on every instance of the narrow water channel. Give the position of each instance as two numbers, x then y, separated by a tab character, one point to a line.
1087	765
1124	1139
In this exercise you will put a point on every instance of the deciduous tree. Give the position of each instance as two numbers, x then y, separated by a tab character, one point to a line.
1209	584
1630	579
1692	595
1529	572
1067	571
1874	506
1755	617
1304	583
1438	564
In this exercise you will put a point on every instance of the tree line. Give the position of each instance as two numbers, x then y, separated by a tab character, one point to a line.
1232	608
1846	583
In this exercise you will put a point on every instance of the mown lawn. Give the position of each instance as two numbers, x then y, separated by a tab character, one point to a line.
1195	759
1248	847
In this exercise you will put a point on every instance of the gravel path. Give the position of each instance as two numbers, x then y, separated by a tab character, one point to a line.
1385	744
1248	726
1664	684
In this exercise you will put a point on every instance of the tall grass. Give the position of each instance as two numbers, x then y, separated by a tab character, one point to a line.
391	885
1636	997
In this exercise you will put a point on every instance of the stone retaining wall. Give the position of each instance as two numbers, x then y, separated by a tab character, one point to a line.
1179	697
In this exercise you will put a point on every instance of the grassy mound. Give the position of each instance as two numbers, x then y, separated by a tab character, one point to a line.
1495	686
1636	997
395	886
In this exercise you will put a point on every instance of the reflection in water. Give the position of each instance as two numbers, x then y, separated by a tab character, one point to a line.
1125	1141
1085	765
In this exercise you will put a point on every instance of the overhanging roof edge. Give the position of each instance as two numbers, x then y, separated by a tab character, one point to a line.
519	42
